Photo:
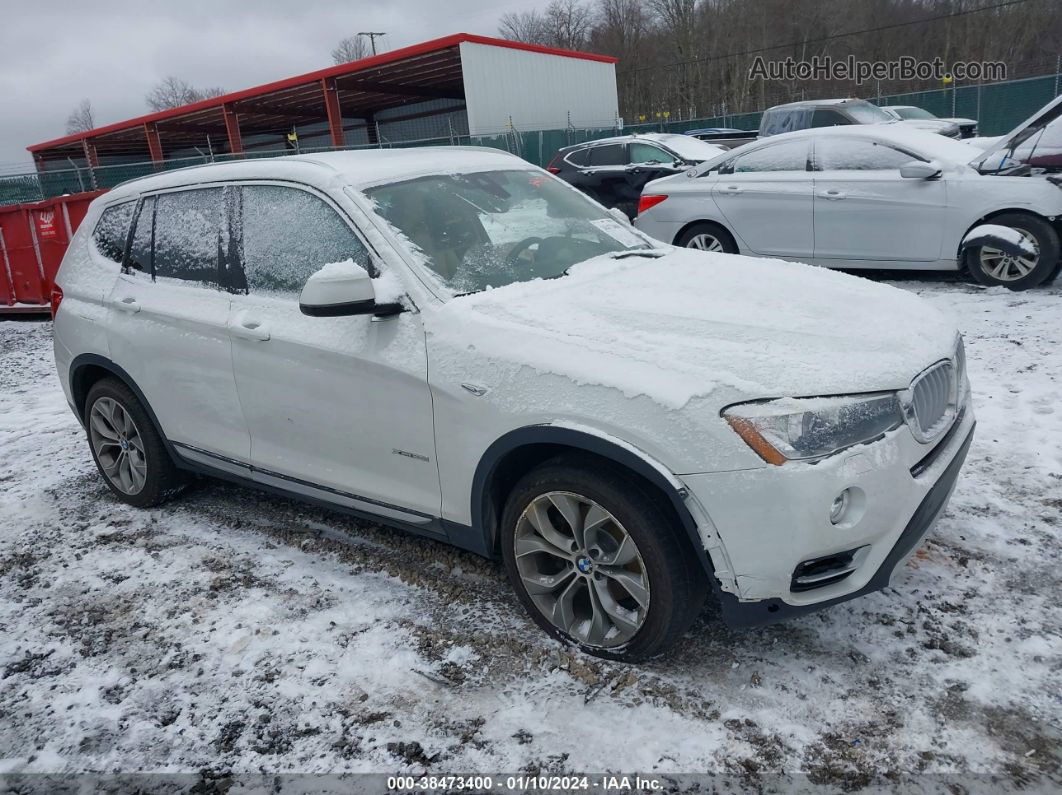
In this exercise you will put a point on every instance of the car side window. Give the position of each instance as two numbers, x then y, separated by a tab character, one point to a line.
852	155
580	157
112	230
288	235
607	155
788	156
647	153
188	239
140	251
828	118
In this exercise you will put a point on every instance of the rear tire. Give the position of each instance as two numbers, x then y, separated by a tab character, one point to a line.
127	448
707	236
995	269
625	589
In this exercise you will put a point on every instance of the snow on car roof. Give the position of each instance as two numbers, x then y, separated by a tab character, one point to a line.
924	142
803	103
358	168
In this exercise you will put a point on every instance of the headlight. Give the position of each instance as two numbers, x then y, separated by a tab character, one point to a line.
812	428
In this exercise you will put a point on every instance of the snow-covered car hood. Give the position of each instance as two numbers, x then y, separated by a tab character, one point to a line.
693	324
939	126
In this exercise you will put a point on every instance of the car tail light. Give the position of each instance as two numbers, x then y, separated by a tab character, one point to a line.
552	169
57	298
645	202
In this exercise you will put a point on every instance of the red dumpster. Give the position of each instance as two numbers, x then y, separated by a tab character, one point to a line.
33	239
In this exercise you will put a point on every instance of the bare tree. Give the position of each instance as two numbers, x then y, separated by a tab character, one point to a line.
525	26
81	118
564	23
568	23
172	92
352	48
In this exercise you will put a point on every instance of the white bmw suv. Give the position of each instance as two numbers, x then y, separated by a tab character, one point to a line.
457	343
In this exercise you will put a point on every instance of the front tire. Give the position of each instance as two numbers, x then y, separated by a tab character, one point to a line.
596	560
994	268
127	448
707	236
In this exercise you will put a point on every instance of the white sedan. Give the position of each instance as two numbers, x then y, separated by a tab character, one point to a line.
859	197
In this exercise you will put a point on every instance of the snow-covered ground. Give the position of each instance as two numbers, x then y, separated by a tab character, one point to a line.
236	632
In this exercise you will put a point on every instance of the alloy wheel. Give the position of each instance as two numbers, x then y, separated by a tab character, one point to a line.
118	445
705	242
582	569
1008	267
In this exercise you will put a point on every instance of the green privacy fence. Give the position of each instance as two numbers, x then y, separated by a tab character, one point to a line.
998	107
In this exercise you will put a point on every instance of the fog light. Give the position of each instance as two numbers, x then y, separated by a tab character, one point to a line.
840	506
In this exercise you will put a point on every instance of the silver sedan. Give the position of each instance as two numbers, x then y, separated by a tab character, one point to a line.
865	196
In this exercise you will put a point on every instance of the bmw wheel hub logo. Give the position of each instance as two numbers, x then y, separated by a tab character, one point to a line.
585	565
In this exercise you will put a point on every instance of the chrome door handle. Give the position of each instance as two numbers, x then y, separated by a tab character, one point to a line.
250	330
833	195
127	304
732	189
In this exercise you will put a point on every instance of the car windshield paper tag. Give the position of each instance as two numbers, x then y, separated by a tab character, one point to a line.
617	232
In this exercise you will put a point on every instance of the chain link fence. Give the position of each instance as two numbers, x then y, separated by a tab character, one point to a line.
998	107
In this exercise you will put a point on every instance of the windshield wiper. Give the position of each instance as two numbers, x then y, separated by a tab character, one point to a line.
652	253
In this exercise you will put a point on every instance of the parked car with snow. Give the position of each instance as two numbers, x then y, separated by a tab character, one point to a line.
454	342
813	113
727	137
967	127
859	197
614	170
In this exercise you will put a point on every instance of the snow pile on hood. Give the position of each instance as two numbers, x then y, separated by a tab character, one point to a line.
691	323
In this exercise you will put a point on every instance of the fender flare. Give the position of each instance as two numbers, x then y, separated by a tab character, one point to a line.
84	360
600	444
986	218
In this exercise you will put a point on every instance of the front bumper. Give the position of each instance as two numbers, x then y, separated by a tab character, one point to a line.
772	519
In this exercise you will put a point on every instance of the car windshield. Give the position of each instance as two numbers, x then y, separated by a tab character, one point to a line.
865	113
492	228
913	113
689	148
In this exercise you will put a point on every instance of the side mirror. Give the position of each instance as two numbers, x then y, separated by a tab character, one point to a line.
342	288
918	169
620	216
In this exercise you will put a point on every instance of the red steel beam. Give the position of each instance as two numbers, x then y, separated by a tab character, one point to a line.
232	127
154	144
335	113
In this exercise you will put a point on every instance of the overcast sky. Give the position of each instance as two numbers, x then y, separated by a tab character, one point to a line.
53	54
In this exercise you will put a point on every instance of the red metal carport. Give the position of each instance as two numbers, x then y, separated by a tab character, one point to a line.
340	106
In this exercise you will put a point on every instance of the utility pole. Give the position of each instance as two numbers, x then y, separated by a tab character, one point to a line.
372	38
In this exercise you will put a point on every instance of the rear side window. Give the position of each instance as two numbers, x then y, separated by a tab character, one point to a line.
112	230
288	235
608	155
580	157
782	120
188	237
788	156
